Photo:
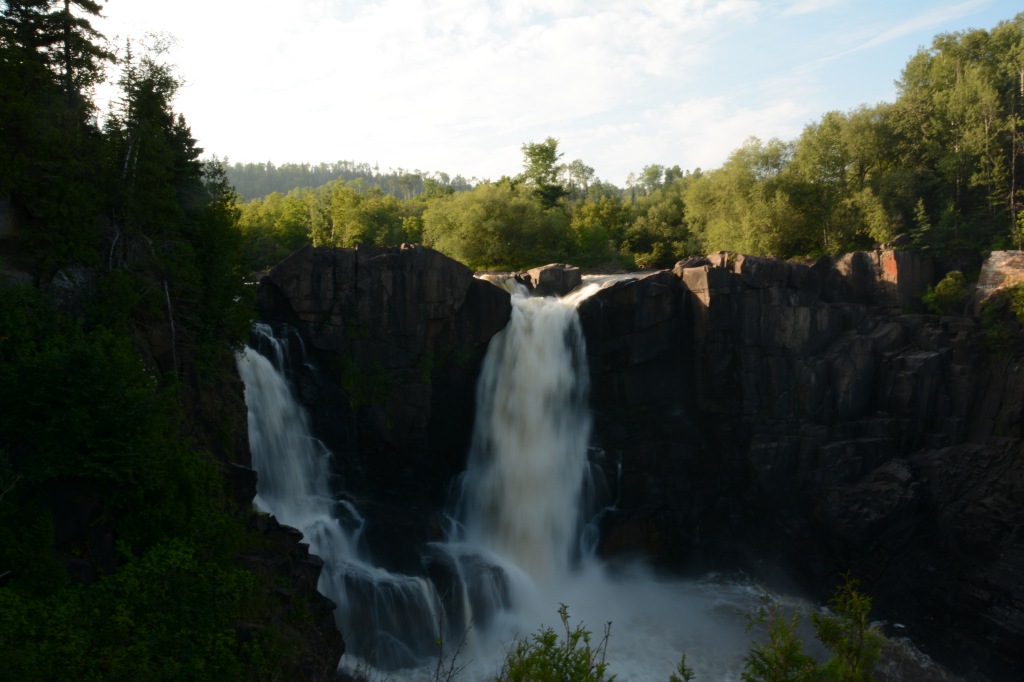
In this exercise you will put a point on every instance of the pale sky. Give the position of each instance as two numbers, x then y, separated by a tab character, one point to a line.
459	85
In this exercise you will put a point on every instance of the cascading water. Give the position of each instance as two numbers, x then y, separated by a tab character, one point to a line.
379	612
521	490
517	548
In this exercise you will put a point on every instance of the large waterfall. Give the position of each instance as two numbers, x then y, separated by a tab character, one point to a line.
520	513
521	491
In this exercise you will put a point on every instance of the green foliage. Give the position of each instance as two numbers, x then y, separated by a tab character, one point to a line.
118	544
781	658
497	225
948	296
168	614
847	632
1002	319
547	657
541	171
683	672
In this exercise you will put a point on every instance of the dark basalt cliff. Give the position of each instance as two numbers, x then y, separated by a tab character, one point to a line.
397	336
792	419
781	418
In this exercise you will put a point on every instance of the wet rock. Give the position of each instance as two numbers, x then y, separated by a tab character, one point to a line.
555	279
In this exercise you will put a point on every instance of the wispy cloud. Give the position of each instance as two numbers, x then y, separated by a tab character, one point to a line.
926	20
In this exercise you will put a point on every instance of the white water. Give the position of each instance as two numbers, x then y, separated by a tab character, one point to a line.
517	548
378	611
521	490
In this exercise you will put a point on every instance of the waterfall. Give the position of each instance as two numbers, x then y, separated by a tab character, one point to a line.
521	489
522	532
387	617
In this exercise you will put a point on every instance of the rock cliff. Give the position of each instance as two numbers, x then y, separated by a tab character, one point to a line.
397	336
793	418
797	420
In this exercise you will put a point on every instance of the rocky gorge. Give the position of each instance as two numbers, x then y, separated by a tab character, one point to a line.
795	421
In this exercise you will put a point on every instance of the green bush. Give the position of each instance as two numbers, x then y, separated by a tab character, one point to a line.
781	658
545	657
845	630
948	296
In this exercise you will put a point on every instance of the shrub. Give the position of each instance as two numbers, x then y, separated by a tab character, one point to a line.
547	658
948	296
781	658
847	632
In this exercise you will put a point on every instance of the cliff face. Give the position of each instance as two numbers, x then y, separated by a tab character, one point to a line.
793	417
789	419
397	336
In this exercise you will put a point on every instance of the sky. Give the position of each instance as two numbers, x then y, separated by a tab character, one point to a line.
460	85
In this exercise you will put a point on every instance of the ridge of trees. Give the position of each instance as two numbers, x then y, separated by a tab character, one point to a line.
942	166
256	180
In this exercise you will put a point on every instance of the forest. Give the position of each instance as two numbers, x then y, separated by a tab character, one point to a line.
121	306
939	169
123	264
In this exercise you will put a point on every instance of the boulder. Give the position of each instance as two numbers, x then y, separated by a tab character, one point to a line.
1001	269
555	279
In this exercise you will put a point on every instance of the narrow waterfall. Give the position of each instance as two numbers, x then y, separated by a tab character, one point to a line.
387	617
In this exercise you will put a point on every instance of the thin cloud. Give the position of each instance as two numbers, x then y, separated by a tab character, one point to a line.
922	22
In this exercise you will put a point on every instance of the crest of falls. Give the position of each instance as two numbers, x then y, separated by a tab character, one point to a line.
523	522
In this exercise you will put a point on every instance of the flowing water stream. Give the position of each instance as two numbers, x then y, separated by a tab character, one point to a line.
521	536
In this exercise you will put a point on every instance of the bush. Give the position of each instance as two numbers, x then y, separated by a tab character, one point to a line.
845	630
547	658
781	658
948	296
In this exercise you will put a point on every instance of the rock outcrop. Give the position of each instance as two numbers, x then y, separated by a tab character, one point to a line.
396	336
794	417
554	279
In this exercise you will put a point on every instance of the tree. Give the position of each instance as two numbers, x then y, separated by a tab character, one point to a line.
598	229
371	218
547	657
55	34
579	176
746	205
958	124
821	161
847	632
541	170
651	178
781	658
496	225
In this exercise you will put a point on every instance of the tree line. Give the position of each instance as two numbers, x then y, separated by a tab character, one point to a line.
121	304
940	168
254	180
